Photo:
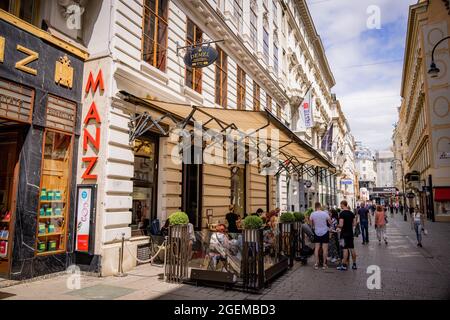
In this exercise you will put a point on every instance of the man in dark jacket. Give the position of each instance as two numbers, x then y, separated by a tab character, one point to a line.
364	221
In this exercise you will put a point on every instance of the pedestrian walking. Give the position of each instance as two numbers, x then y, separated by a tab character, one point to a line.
347	221
417	225
371	208
380	224
320	221
364	220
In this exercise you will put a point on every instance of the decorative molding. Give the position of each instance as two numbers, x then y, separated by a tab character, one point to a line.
21	24
64	72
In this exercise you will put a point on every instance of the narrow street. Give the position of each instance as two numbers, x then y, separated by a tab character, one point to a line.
407	272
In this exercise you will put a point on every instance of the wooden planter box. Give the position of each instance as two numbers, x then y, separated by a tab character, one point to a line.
286	243
177	253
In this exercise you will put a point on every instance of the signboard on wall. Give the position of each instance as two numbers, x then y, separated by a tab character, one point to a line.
85	218
16	101
200	57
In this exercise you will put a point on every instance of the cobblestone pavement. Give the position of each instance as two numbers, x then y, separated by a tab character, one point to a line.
407	272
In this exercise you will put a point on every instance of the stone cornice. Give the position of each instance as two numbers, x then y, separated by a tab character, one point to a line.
304	47
317	42
411	38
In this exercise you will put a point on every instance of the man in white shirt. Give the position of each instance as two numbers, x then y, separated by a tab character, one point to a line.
320	221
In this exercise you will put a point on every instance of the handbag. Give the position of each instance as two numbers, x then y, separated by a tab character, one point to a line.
357	231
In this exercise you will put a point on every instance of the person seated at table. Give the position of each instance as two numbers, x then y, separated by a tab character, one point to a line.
218	245
259	212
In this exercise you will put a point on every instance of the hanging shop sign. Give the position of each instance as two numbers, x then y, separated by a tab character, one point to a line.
308	184
86	204
384	190
200	57
92	120
346	181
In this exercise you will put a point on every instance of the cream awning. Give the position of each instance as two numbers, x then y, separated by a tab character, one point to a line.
292	149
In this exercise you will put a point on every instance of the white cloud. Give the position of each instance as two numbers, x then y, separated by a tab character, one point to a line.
369	95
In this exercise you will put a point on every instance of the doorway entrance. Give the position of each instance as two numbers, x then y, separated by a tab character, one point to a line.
145	183
11	141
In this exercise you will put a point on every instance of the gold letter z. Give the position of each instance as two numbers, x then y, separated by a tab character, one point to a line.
21	65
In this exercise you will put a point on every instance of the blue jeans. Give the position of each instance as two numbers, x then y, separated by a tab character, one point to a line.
418	229
365	230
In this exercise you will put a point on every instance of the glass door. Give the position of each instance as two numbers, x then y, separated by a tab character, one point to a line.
144	185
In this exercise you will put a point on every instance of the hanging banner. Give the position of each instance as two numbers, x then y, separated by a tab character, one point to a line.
86	198
327	140
306	110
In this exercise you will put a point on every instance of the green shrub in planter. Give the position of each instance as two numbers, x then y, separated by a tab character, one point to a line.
287	217
253	222
308	212
299	216
178	218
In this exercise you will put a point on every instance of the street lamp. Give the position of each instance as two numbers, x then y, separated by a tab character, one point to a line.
403	187
434	70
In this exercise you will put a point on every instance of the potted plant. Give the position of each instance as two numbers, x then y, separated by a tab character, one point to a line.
251	225
287	217
299	219
178	222
177	255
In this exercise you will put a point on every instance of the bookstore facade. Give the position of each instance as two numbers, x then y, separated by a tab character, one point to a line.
40	92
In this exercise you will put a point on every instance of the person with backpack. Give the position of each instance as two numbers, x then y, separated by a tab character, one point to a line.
347	221
380	224
364	220
334	251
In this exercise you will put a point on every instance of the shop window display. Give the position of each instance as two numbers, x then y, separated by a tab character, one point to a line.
54	193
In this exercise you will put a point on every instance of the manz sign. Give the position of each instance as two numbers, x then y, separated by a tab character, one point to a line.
200	57
93	120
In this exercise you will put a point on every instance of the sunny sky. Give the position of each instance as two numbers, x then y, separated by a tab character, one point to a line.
366	63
